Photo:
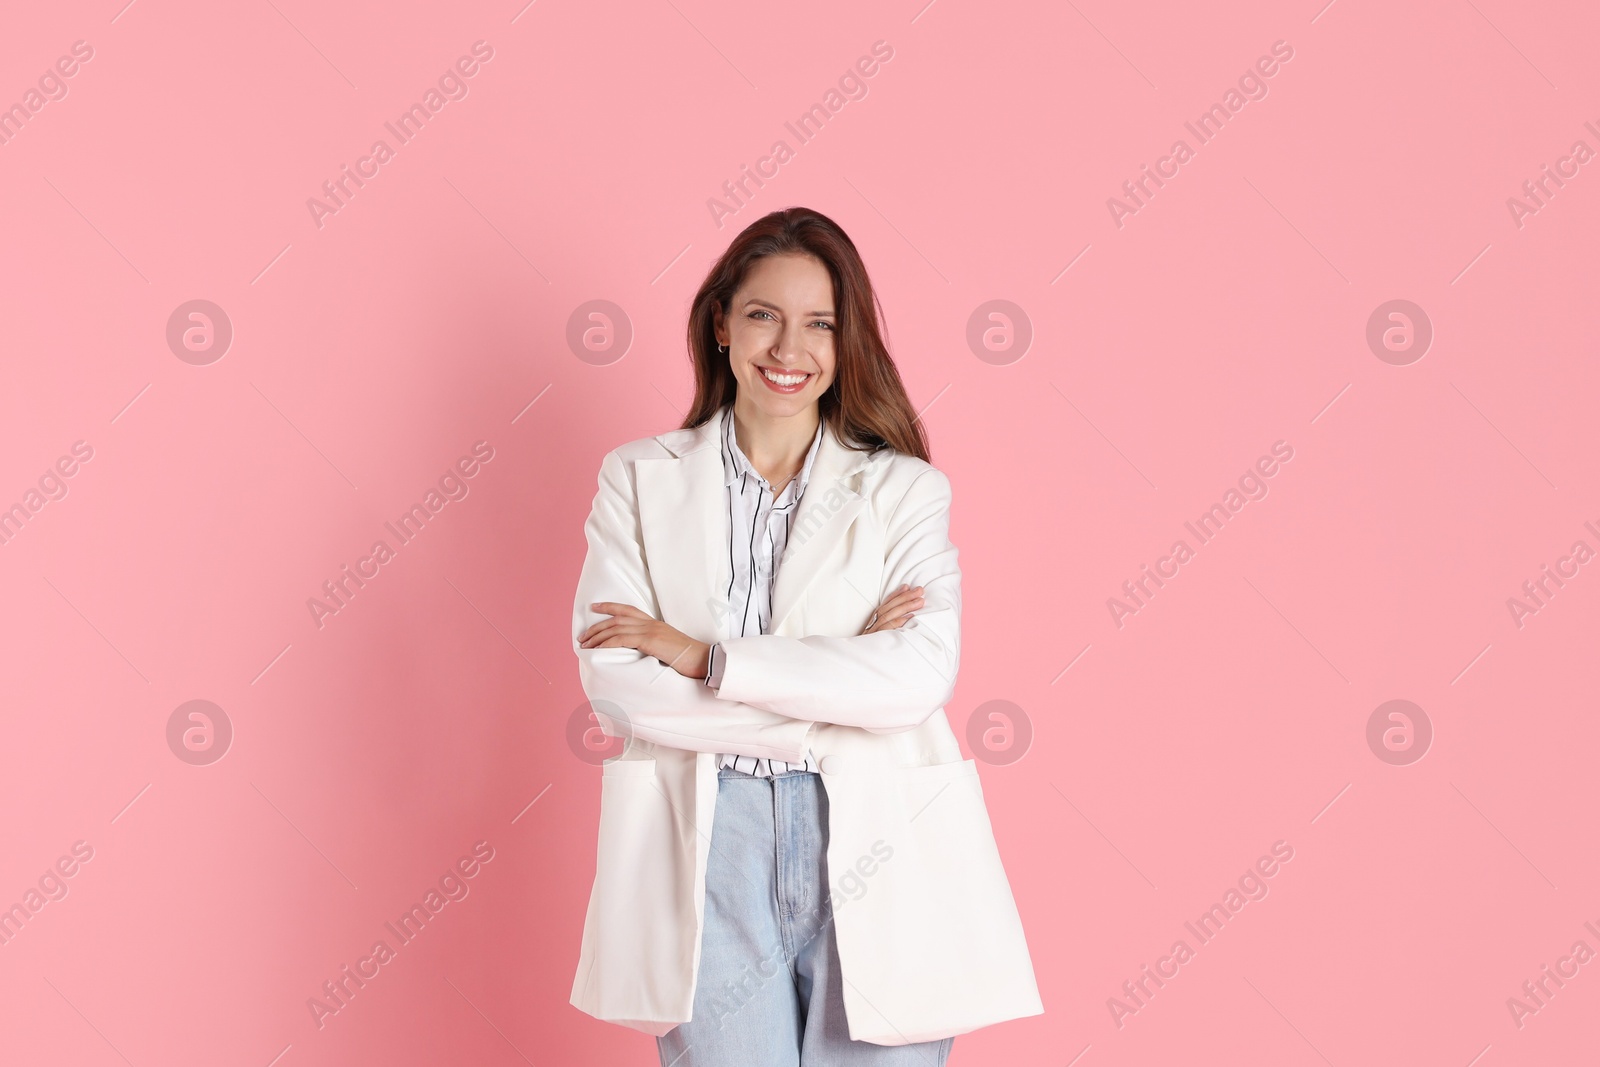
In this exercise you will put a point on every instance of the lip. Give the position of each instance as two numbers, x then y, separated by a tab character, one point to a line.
784	389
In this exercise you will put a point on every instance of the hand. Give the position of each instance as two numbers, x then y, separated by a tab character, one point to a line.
895	609
629	627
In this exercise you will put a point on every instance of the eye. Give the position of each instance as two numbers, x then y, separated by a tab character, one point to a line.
758	311
820	322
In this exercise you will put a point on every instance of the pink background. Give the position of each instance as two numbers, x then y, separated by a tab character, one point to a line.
431	312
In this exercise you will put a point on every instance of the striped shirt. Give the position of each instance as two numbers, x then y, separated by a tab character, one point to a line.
758	533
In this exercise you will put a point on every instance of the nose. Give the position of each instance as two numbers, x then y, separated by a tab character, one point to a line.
790	348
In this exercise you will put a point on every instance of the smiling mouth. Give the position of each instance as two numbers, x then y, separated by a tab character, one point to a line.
785	379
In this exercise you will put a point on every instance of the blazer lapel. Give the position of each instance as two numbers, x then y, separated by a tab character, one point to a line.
827	508
683	518
683	514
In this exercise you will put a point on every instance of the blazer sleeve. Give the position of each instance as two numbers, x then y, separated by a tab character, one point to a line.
883	682
635	694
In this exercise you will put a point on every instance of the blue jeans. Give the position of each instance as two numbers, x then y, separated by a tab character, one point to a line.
769	992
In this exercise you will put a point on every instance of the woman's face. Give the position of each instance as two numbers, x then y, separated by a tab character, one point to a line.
781	323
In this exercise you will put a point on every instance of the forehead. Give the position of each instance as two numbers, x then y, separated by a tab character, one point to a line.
797	282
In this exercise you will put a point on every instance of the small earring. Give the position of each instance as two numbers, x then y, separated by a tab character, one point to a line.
722	348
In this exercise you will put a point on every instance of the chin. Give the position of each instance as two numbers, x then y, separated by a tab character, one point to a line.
784	405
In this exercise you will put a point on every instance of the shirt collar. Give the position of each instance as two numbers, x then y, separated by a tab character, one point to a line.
736	464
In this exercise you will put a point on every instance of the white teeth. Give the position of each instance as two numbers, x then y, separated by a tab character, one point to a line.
784	379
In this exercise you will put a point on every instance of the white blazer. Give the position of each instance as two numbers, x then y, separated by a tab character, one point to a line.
930	943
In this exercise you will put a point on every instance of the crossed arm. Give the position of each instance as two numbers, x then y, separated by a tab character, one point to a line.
773	689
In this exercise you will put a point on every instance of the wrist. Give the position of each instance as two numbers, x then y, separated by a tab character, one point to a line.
697	660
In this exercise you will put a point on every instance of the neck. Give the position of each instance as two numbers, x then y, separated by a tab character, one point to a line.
775	446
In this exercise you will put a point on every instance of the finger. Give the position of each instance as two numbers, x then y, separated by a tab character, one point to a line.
909	607
893	620
898	607
897	599
872	621
607	607
631	628
600	631
601	625
901	602
594	631
896	621
621	641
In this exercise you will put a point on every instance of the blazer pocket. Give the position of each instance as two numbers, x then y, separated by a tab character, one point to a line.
936	773
620	766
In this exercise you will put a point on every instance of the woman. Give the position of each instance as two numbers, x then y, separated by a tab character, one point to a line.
795	864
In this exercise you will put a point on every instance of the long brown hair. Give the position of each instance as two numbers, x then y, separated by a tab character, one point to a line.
867	404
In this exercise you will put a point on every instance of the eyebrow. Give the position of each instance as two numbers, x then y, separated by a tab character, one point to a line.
775	307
